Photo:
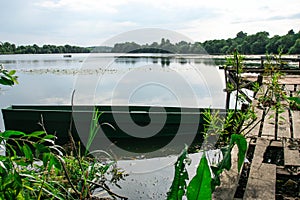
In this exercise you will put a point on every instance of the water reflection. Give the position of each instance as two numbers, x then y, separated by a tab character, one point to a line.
50	79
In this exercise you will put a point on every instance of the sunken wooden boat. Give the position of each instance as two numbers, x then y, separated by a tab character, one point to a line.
116	122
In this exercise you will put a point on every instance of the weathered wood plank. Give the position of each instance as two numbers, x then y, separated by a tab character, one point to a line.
284	125
268	130
229	180
262	177
291	157
291	153
261	183
296	123
289	88
253	130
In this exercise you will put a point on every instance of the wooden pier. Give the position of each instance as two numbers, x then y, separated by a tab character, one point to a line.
274	146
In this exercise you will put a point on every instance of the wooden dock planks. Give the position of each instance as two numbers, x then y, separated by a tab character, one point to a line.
284	125
262	178
296	123
253	130
268	130
291	155
261	183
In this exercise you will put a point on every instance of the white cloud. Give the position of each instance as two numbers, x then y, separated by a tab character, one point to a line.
107	6
86	22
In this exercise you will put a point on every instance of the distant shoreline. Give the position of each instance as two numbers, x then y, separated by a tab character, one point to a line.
255	44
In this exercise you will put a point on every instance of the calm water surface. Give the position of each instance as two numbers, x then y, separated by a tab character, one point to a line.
135	79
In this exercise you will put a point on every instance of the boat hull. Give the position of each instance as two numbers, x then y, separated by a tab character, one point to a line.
139	123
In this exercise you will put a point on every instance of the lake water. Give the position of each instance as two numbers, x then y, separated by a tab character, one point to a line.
135	79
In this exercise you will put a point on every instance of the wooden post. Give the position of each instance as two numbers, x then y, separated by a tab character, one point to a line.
262	58
299	60
259	81
227	92
227	100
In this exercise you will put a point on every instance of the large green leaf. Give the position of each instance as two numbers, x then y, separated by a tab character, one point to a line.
241	142
295	99
200	186
28	153
226	162
54	161
215	181
46	158
9	133
178	186
36	134
12	72
5	81
40	149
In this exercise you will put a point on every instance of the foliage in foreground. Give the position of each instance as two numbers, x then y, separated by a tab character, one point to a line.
203	184
7	77
36	168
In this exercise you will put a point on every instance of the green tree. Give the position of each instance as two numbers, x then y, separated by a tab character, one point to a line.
295	49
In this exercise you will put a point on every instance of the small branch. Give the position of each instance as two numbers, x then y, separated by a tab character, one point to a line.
107	190
67	176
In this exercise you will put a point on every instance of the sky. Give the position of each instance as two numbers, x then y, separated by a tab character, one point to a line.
92	22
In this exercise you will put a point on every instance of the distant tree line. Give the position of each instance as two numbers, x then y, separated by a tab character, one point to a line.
258	43
8	48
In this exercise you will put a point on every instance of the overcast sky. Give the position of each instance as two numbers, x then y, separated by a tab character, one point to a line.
91	22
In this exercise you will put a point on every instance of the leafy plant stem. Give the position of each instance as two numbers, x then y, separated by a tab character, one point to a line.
68	177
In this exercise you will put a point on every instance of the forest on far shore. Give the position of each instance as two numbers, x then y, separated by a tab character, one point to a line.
259	43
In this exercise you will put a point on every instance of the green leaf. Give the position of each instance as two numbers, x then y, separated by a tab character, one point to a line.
40	149
295	99
2	167
241	142
106	167
12	72
216	180
6	81
10	133
200	186
36	134
28	153
46	158
17	183
178	186
20	196
49	137
54	161
226	162
94	128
